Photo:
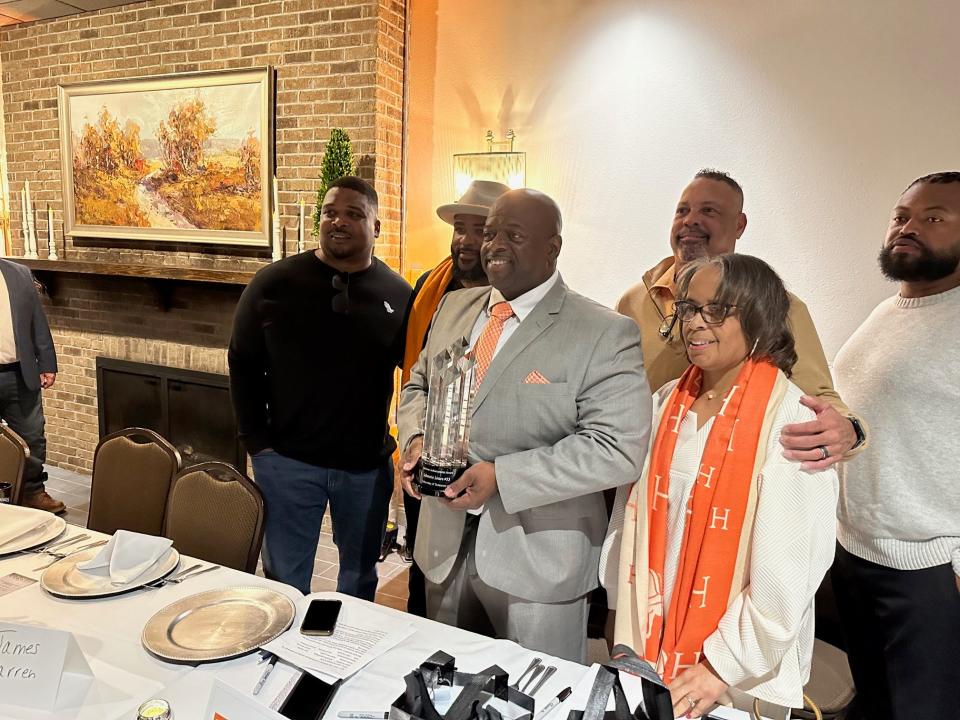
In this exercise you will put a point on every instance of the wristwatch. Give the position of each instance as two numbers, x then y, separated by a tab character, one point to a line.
858	429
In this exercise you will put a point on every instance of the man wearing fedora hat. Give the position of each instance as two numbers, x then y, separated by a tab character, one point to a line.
461	269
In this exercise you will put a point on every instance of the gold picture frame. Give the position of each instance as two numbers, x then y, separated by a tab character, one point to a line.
181	158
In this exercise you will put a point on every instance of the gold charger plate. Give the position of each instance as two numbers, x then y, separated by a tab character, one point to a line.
218	624
64	579
36	537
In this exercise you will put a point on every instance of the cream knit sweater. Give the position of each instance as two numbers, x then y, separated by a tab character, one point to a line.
900	499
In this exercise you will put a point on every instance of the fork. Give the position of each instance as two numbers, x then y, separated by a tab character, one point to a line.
190	575
180	577
551	669
59	545
55	556
175	577
533	676
532	666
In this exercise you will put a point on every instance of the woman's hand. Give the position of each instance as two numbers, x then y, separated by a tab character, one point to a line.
695	690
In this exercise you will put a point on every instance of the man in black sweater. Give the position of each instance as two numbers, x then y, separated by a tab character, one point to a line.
316	339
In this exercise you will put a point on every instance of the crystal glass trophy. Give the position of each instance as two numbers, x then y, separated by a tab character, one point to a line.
447	422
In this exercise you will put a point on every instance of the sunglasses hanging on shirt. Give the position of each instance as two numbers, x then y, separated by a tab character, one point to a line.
340	303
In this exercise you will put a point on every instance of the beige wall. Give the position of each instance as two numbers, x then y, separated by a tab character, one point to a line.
824	111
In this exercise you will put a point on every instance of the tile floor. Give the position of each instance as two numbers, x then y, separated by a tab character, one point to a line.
73	489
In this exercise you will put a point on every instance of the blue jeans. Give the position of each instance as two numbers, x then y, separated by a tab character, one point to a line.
22	409
296	496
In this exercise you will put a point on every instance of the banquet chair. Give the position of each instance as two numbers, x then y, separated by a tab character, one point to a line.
13	459
132	472
216	513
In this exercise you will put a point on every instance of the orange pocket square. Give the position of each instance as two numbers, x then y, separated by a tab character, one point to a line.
535	378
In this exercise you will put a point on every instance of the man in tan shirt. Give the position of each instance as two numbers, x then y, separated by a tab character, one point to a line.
709	220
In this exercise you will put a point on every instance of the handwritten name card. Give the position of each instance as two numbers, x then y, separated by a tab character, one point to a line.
32	664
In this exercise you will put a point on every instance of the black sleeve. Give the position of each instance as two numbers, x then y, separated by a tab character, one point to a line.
247	359
418	286
402	340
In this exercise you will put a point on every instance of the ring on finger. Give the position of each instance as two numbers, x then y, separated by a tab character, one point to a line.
824	453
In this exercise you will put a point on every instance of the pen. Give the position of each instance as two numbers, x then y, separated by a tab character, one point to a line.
362	715
551	706
266	673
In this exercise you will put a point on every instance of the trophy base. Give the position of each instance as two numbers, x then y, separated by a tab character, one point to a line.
432	479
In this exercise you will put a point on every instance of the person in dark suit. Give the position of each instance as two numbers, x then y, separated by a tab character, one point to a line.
28	364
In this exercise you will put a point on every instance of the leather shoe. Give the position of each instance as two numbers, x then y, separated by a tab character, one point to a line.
42	501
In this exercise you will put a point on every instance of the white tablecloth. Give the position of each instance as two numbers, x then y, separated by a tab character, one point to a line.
108	631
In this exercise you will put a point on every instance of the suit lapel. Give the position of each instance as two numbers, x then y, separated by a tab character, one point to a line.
460	323
536	322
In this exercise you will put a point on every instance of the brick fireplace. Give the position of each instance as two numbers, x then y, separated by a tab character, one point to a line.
339	63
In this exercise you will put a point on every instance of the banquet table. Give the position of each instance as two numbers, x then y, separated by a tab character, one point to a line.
108	632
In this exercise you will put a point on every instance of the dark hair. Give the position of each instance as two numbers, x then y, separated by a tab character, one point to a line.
940	178
763	305
721	176
352	182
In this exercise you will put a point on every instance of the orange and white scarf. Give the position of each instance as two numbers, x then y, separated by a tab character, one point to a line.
421	314
718	521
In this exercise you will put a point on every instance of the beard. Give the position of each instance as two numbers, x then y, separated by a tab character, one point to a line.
925	266
692	250
473	274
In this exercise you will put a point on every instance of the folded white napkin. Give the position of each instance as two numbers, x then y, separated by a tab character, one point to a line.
16	520
128	555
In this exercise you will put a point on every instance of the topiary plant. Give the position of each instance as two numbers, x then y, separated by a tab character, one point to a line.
337	161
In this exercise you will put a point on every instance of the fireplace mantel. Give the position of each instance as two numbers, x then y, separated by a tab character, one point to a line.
163	276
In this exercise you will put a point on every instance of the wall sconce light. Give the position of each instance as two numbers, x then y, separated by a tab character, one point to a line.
499	163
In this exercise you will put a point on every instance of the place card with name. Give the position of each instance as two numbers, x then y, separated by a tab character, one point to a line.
33	662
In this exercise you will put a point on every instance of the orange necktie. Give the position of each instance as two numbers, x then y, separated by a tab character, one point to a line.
487	342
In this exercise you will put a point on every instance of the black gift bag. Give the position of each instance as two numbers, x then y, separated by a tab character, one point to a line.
657	704
477	689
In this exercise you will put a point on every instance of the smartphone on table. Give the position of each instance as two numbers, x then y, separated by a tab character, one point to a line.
321	617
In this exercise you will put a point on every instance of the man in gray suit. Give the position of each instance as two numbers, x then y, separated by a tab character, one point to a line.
562	412
28	363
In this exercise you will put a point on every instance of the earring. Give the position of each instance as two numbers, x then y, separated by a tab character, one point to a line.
755	343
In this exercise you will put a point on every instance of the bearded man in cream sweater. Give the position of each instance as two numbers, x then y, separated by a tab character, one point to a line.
897	570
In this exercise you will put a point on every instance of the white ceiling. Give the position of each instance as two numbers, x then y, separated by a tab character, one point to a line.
18	11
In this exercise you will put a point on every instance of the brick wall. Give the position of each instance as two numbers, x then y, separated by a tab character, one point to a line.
339	63
123	318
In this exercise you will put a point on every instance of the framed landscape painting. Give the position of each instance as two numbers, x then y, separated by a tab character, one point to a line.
181	158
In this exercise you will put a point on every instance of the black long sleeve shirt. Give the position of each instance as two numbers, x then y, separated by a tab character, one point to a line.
312	383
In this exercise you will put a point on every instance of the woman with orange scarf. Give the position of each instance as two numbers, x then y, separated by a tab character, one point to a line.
723	541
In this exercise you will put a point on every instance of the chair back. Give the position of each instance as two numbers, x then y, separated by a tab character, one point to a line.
216	513
830	689
13	459
132	472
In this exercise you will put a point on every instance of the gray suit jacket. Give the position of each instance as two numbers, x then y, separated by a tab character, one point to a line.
30	329
556	446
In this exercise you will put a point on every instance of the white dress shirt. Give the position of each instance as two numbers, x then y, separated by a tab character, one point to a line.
521	305
8	343
683	474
